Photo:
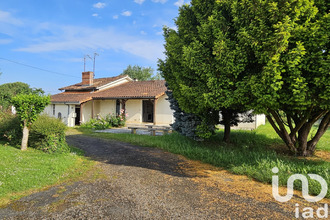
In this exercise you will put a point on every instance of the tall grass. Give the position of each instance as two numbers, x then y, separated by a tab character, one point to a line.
251	153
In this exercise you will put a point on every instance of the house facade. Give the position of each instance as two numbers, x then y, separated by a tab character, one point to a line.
143	101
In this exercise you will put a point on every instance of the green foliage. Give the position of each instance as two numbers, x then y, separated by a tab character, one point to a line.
29	106
289	44
97	124
109	121
141	73
48	134
204	66
9	90
184	123
10	129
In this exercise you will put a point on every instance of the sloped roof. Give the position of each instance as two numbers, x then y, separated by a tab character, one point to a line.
71	97
129	90
133	90
96	83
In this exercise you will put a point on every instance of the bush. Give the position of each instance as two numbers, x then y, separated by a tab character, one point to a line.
109	121
48	134
10	128
98	124
116	120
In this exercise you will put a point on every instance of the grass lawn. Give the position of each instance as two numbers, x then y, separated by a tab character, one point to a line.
24	172
252	153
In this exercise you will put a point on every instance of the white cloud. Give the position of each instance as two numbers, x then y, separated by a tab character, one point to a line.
160	1
68	38
143	33
99	5
115	17
139	1
126	13
179	3
6	17
5	41
95	15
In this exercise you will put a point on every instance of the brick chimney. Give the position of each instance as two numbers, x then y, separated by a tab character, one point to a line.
87	78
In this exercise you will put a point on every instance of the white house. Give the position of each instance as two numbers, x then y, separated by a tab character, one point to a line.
143	101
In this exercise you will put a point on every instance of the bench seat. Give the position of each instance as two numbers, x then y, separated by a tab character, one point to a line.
152	129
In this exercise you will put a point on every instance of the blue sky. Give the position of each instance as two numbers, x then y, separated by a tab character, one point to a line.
55	35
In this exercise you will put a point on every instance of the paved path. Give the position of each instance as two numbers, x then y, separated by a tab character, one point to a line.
145	183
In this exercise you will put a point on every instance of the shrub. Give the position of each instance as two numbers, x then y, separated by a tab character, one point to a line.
109	121
98	124
48	134
10	128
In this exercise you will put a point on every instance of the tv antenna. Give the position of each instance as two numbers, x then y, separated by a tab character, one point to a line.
95	54
86	56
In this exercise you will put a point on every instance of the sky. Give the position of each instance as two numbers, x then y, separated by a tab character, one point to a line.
43	43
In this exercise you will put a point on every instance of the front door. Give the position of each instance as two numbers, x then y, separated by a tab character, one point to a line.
147	111
77	119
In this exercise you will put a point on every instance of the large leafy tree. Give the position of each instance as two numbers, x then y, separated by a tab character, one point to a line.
28	108
204	66
271	56
288	70
141	73
9	90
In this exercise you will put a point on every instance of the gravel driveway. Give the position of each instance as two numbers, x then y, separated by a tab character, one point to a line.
145	183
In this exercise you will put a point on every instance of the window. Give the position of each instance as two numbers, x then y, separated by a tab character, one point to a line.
54	109
59	115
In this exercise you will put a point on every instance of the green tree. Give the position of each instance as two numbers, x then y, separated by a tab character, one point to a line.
203	65
270	56
141	73
289	66
9	90
28	107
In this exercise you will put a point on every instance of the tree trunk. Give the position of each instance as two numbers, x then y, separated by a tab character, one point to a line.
281	131
297	140
25	137
302	140
311	145
226	137
226	114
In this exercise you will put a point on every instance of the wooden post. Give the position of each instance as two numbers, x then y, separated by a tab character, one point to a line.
154	118
123	105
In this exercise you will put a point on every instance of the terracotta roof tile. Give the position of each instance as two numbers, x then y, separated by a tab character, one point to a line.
71	97
135	89
129	90
96	83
